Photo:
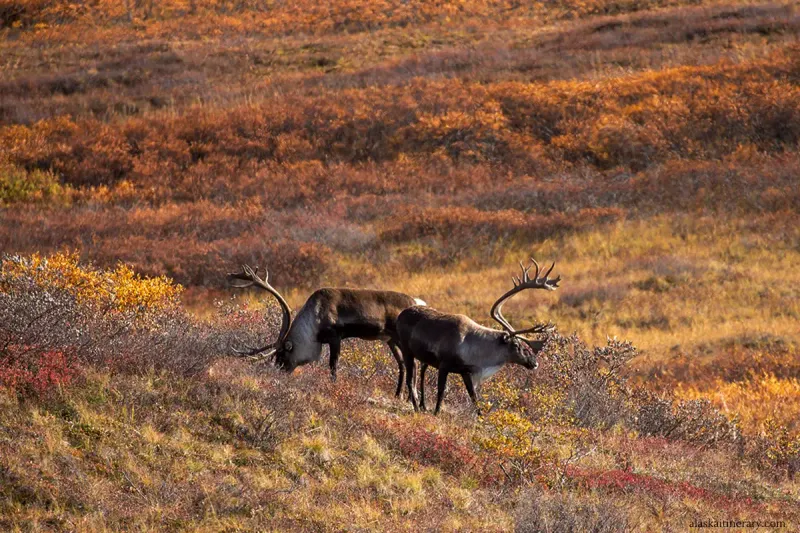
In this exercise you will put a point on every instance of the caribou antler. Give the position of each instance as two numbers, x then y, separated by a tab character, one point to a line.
247	278
256	354
538	328
522	283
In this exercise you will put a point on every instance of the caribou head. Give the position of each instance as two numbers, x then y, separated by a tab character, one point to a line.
524	351
290	350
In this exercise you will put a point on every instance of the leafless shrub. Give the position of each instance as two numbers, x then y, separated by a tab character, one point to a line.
307	226
237	325
592	380
695	421
36	319
595	386
539	512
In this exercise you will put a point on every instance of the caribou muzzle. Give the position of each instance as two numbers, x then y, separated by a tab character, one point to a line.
283	363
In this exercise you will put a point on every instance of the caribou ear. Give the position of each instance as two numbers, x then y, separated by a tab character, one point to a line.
287	346
506	338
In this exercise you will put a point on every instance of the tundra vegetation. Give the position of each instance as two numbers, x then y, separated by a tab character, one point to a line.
650	147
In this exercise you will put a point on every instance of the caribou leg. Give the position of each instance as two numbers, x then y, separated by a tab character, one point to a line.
334	346
423	368
471	390
410	375
442	386
399	358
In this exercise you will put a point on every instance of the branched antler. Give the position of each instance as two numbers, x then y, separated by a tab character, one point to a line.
521	283
248	278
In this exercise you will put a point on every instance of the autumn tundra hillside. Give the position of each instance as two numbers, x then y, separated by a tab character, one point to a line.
148	148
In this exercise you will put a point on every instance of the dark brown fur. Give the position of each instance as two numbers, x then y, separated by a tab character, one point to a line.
329	316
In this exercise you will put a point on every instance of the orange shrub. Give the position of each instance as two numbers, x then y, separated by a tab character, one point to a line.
121	288
219	16
755	401
710	113
22	13
736	361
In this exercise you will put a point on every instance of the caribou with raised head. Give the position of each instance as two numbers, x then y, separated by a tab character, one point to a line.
329	316
457	344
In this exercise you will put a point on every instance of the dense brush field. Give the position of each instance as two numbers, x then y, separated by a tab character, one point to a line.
652	149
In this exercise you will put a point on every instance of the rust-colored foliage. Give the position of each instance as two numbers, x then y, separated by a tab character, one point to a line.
34	372
420	444
220	16
385	150
710	112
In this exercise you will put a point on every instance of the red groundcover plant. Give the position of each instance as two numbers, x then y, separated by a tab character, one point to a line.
30	371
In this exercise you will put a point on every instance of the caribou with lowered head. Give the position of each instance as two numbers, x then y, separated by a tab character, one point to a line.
457	344
328	316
